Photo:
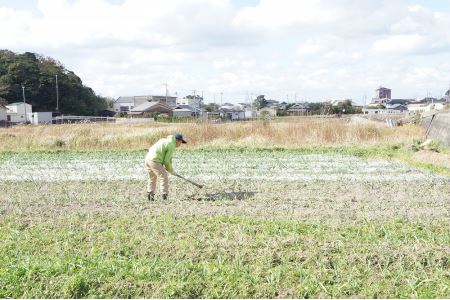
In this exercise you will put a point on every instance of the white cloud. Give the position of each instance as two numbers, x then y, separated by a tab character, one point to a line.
316	49
400	44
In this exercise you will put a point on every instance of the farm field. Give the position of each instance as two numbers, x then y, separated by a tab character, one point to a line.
268	223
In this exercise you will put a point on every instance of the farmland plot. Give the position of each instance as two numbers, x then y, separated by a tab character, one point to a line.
267	224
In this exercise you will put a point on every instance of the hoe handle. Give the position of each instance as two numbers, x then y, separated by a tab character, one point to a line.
191	182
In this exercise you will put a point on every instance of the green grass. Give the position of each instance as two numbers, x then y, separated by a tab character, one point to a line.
102	239
220	257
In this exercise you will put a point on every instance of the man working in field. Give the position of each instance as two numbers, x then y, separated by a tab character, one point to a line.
158	162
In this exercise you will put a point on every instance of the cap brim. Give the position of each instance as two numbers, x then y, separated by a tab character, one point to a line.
183	141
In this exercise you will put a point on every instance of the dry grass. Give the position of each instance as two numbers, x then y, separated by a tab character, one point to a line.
303	133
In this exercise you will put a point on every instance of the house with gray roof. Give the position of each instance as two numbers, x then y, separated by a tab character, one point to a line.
127	103
298	109
150	109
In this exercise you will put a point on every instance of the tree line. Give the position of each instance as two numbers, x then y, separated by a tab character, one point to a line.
37	74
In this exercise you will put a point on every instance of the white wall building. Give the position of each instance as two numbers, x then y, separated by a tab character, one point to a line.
425	107
40	117
126	104
381	111
196	103
16	112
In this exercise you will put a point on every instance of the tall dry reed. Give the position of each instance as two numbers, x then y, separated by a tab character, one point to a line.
303	133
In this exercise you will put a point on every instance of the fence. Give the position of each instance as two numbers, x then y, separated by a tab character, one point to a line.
81	119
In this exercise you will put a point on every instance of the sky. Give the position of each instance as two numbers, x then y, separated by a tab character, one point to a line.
234	50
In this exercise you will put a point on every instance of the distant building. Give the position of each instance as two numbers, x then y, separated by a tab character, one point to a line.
126	104
424	107
272	103
187	110
298	109
383	93
398	101
16	112
381	111
182	112
196	101
232	114
270	111
150	109
40	117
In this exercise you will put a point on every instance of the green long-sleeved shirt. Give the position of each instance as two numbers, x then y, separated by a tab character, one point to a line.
162	152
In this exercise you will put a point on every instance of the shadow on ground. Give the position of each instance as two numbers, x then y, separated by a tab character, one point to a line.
227	195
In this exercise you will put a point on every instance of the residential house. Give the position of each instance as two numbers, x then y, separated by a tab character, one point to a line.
424	107
282	105
232	114
187	111
398	107
3	116
298	109
126	104
393	102
181	112
150	109
195	111
17	112
270	111
272	103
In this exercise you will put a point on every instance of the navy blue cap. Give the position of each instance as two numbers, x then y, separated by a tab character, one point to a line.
179	137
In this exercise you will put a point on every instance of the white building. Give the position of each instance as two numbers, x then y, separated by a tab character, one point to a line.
126	104
16	112
40	117
381	111
420	107
3	116
196	103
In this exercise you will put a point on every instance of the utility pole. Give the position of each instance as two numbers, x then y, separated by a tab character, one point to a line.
194	92
165	84
199	104
57	93
24	103
221	94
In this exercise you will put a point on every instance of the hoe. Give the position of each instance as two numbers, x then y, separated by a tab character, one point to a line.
191	182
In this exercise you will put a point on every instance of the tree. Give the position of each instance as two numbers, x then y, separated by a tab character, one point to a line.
198	100
37	74
346	107
260	102
211	107
3	101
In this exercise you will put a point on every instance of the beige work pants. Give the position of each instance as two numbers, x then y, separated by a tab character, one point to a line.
155	171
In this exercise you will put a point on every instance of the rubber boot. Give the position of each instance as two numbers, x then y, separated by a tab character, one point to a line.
151	196
164	196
